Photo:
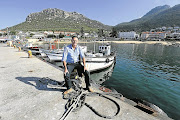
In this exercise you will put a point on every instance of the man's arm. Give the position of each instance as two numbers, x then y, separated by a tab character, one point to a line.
83	57
84	62
64	58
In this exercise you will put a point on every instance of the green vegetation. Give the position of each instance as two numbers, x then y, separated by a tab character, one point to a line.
101	33
31	34
113	33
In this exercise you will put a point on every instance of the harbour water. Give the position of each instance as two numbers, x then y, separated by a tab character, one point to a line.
148	72
144	71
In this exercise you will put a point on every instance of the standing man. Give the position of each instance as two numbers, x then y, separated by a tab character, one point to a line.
71	60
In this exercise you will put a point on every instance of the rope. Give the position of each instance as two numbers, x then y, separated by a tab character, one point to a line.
76	101
104	116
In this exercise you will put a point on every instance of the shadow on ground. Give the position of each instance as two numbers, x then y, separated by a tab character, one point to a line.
43	83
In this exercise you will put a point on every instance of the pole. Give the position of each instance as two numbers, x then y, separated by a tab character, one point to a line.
7	33
94	46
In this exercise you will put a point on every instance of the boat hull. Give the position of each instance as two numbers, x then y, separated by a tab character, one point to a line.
96	66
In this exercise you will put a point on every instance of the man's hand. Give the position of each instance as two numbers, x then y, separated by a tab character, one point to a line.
85	68
66	71
65	68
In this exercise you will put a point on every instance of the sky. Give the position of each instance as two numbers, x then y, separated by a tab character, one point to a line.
108	12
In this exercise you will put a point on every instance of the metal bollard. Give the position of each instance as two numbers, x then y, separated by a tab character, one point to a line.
29	54
19	48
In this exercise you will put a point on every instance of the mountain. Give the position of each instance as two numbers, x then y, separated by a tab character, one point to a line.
56	19
157	17
156	10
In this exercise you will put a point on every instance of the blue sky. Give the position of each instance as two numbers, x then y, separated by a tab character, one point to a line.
109	12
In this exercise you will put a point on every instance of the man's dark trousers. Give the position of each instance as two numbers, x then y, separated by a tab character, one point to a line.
80	69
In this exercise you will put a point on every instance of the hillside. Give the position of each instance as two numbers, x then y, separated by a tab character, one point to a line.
157	17
56	19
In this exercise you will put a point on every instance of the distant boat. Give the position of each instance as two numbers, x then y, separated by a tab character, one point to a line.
29	46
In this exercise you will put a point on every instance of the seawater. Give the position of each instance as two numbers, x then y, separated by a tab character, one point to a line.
148	72
145	71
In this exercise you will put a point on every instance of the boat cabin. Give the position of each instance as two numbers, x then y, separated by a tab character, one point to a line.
105	49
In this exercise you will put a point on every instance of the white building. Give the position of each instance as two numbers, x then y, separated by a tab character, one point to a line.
128	35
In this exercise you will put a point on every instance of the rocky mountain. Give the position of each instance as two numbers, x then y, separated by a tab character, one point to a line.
157	17
56	19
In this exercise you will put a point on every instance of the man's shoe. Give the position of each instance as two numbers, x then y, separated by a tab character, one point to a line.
68	91
90	89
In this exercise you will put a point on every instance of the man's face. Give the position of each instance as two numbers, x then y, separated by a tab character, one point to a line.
74	41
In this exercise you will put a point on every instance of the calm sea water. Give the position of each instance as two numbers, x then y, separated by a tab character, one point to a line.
148	72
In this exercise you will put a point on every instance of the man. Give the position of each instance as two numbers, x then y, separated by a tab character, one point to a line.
71	60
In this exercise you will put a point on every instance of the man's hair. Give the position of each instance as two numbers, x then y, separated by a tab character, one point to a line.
74	37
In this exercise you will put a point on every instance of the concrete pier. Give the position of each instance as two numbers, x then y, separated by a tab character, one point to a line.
22	99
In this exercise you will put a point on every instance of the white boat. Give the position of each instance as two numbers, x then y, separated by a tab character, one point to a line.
56	55
98	61
101	76
29	46
94	61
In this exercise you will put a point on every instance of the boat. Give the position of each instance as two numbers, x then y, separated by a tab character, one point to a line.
30	45
94	61
56	55
101	60
101	76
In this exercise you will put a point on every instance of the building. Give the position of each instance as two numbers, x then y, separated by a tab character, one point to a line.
144	35
153	35
128	35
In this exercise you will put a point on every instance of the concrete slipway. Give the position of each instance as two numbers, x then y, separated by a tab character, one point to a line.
21	99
